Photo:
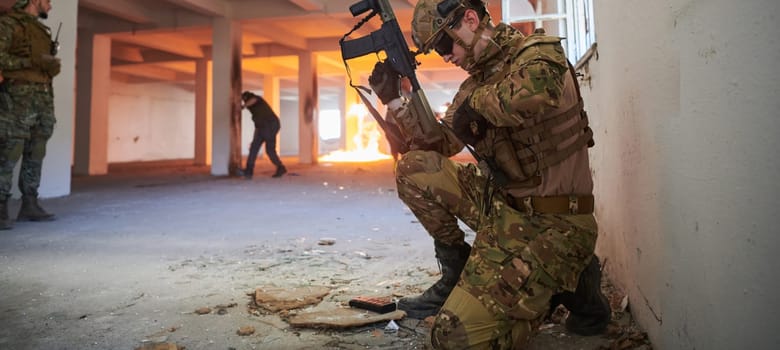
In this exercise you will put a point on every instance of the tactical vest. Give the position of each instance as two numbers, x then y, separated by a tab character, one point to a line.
522	153
30	38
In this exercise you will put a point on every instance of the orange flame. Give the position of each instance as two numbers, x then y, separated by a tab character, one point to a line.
363	145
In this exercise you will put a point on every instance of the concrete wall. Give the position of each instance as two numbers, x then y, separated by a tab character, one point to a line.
154	121
684	100
55	177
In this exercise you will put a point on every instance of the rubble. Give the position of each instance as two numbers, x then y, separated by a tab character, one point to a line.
342	318
276	299
245	331
161	346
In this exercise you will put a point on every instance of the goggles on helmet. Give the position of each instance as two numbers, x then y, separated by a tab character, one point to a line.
443	45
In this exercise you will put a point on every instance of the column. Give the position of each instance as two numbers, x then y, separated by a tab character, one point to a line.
226	101
350	119
203	113
56	175
307	107
94	85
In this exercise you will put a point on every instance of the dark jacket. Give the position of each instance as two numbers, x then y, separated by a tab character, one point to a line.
263	116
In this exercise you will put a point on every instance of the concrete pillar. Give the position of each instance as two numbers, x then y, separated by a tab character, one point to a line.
307	107
272	96
94	83
55	179
226	101
343	109
203	113
271	92
350	120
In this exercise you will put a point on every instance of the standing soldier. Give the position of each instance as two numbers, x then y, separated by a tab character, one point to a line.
28	64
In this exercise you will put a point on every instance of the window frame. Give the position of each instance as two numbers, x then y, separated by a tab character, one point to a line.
575	19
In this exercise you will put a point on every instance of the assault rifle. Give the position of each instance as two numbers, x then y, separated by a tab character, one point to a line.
390	39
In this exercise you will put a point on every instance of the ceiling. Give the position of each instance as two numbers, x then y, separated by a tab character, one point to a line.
160	40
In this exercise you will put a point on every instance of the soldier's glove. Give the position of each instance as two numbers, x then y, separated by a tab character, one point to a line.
385	82
469	126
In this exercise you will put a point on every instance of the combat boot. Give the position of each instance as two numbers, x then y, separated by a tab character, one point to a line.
5	220
451	258
32	211
280	170
244	173
589	310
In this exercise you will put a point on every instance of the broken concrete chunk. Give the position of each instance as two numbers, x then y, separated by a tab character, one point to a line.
246	330
327	241
278	299
342	318
161	346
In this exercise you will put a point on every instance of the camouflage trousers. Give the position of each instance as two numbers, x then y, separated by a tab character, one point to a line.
26	124
517	262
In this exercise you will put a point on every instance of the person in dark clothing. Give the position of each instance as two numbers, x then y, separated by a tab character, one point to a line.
267	126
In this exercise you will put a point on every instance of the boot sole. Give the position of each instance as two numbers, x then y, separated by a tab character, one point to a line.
420	315
418	312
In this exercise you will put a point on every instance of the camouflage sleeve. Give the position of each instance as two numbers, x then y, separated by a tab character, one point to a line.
9	60
408	124
526	93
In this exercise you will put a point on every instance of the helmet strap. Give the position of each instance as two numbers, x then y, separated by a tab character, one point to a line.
470	60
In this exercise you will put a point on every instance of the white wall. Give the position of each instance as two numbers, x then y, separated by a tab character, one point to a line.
55	177
153	121
684	104
288	135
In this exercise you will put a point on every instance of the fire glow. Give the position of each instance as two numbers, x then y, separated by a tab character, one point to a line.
363	143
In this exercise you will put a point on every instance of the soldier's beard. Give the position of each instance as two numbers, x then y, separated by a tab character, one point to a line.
43	14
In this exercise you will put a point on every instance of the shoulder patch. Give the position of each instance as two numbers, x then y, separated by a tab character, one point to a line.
543	47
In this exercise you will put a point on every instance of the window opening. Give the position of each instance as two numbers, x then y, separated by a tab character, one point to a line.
570	19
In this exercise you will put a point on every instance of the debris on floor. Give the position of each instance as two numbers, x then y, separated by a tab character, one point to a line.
276	299
623	331
161	336
245	331
161	346
327	241
341	318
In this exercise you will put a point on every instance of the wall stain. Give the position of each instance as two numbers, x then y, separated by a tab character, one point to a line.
708	54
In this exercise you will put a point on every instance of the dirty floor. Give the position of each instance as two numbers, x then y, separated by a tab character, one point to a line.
136	257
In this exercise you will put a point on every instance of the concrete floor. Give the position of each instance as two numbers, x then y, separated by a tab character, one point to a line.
134	253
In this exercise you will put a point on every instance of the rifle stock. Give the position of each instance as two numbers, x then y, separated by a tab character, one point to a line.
391	40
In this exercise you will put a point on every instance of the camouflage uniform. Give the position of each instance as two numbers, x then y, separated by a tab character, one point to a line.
27	121
521	257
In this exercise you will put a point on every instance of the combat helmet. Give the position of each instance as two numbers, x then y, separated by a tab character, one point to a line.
20	4
434	18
